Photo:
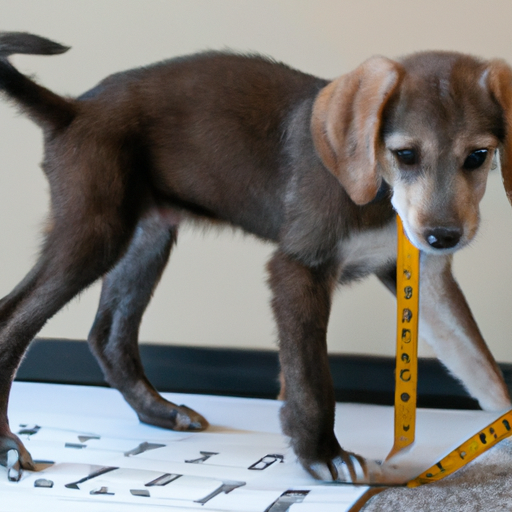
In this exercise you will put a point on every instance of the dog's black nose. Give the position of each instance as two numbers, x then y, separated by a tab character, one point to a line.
443	238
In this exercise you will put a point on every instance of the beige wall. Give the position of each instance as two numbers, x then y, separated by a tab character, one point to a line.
213	292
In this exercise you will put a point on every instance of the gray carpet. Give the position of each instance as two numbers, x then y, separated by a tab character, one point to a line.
485	485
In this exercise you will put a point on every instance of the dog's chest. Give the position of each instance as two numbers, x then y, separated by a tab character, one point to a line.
366	252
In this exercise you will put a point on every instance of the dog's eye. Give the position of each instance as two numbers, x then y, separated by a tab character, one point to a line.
407	156
475	159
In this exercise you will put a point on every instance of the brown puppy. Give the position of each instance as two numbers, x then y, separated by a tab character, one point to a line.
316	167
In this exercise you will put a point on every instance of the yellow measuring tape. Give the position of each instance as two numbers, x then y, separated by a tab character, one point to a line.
406	370
406	378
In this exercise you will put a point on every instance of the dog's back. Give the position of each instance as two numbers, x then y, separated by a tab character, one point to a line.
210	129
219	117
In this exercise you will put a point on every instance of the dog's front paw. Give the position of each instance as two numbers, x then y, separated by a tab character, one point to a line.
352	468
345	467
14	456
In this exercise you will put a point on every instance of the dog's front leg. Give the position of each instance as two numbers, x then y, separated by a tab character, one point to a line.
301	304
447	324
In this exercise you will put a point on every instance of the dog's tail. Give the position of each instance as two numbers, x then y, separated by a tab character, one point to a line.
46	108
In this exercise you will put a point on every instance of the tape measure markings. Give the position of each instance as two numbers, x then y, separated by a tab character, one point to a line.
469	450
406	369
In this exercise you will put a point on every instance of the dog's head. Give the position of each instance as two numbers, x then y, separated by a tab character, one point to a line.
430	126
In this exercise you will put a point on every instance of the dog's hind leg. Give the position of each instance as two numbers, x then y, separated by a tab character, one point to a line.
71	260
126	292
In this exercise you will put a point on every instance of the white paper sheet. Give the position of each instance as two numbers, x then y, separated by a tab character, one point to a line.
105	460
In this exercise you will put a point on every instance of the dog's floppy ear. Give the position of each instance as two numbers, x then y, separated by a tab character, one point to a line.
346	123
499	81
